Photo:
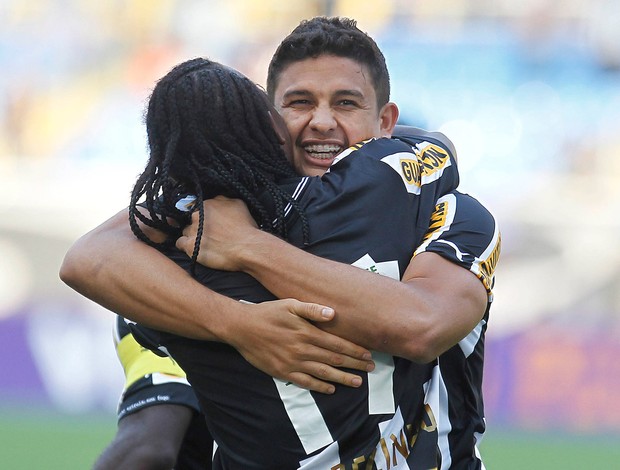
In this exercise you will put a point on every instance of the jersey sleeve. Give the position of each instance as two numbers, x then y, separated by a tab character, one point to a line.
463	231
415	135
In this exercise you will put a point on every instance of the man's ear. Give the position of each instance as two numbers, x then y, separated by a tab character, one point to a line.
388	115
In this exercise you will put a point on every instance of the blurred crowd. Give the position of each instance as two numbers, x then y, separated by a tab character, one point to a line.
77	68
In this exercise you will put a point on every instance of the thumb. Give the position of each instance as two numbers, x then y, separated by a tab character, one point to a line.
313	312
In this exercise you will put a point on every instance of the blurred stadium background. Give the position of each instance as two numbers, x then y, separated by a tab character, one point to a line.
529	92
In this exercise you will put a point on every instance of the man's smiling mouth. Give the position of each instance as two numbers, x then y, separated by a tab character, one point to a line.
323	151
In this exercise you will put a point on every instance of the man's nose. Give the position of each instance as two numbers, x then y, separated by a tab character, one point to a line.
323	119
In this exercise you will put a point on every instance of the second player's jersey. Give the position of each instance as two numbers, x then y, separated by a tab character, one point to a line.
371	210
463	232
139	362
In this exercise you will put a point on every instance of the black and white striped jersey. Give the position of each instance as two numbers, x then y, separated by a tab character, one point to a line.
372	209
465	233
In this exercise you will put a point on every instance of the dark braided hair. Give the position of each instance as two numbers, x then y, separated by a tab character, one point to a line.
209	133
338	36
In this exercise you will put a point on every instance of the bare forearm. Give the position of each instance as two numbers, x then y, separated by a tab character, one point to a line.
367	303
111	267
130	278
435	304
417	319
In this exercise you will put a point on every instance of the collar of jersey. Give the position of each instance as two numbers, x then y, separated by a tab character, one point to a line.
345	153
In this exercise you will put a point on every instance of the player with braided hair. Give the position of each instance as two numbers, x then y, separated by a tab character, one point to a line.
193	151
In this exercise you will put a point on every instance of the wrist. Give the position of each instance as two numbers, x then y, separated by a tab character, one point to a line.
231	323
249	255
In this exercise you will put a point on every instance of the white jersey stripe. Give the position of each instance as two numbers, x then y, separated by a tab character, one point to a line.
437	398
479	437
381	385
305	416
328	458
468	343
298	190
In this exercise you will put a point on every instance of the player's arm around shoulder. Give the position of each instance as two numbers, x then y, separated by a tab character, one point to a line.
110	266
453	271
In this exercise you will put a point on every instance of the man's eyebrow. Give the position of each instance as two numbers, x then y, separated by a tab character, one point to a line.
339	93
290	93
356	93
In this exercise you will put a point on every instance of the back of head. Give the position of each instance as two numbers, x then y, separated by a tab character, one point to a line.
203	118
209	133
331	36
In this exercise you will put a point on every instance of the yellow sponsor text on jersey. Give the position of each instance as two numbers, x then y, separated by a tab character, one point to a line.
411	171
430	159
438	219
487	266
393	450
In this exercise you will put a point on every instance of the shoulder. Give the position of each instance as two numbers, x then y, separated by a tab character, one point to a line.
460	214
468	207
405	139
416	135
464	231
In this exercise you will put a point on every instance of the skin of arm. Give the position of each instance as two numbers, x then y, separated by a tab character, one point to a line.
436	305
140	444
110	266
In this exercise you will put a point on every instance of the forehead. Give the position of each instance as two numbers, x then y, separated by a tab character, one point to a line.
326	75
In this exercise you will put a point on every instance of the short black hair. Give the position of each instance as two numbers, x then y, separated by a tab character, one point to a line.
336	36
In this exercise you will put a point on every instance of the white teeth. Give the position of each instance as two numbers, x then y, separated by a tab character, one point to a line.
324	151
322	148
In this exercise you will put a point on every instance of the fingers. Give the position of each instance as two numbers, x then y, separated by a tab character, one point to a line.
324	363
349	362
343	353
311	312
311	383
323	379
320	313
294	349
328	365
337	351
186	241
333	375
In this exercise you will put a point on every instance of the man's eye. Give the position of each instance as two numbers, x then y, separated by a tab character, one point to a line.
347	103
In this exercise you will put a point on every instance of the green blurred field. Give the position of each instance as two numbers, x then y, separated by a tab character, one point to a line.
43	440
40	440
